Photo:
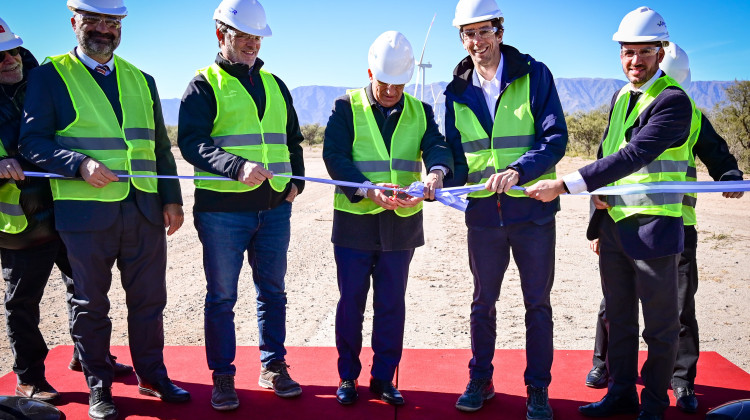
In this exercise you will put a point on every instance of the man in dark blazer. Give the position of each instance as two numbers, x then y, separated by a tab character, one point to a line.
375	233
90	116
641	236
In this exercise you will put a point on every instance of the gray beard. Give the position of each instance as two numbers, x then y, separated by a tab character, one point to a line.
96	48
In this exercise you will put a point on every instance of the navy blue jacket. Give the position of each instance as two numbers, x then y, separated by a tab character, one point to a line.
385	231
196	121
664	124
36	197
549	148
714	152
48	108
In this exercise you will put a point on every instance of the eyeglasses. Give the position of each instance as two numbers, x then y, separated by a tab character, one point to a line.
643	52
483	33
382	85
244	36
13	52
93	20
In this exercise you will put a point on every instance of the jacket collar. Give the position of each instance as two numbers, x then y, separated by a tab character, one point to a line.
238	70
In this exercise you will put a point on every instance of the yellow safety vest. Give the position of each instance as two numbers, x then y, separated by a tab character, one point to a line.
513	134
97	133
404	163
12	218
238	130
689	200
671	165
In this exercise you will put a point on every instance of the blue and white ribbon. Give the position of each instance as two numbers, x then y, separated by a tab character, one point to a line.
452	197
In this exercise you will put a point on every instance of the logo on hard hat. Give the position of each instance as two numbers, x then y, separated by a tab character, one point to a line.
2	29
233	11
661	23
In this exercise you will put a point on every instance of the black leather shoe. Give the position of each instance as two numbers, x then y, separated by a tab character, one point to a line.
612	405
101	404
645	415
686	399
597	377
386	391
165	390
347	392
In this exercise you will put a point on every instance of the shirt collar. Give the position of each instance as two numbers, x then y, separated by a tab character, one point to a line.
647	84
478	80
91	63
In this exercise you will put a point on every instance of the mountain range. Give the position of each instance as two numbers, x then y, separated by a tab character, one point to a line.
314	103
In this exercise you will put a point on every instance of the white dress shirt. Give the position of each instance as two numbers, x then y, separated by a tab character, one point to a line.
490	88
91	63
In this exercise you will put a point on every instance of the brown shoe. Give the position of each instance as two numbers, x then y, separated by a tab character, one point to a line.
276	376
41	391
120	369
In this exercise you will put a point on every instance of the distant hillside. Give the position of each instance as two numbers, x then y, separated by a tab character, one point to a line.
314	103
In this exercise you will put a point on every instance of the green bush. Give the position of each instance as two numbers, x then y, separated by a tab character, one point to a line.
585	130
731	119
313	133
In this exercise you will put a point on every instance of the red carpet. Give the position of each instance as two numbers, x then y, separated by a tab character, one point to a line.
431	381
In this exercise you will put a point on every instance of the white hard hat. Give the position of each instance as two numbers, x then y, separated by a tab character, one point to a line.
104	7
642	25
247	16
8	40
391	58
676	64
473	11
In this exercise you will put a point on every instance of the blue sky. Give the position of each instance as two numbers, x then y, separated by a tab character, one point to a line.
326	42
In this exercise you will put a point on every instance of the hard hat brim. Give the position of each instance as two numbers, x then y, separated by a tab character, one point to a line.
636	39
400	79
458	23
12	43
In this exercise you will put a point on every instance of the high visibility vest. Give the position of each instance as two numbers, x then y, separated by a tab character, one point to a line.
238	130
404	163
97	133
671	165
513	134
12	218
689	200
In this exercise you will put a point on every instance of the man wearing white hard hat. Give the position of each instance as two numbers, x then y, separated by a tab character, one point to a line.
640	236
379	135
237	121
714	152
91	116
29	243
505	125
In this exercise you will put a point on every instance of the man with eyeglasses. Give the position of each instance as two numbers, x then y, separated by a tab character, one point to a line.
91	116
379	134
29	244
505	124
238	121
640	236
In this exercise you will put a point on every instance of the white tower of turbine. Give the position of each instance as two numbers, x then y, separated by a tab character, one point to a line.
422	66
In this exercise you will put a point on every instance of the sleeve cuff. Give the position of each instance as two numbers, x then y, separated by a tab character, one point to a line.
362	192
440	167
575	183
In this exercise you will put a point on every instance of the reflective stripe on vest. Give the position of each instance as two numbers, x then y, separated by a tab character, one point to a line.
12	218
96	132
404	163
671	165
689	201
513	134
238	130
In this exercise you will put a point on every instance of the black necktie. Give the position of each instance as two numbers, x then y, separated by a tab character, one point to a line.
634	94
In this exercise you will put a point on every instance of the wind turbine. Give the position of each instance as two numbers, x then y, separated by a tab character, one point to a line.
422	65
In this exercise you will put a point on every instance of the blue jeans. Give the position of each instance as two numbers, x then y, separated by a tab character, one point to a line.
225	238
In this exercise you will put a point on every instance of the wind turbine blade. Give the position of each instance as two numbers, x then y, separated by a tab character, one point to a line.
421	57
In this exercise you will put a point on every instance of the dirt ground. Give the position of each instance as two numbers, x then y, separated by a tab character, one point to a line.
440	285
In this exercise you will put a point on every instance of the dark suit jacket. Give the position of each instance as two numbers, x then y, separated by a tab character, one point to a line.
48	108
662	125
385	231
